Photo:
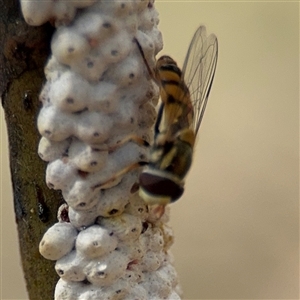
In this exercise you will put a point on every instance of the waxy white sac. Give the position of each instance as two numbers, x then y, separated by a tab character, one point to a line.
97	93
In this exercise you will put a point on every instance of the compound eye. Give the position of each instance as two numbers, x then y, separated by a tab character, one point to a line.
160	187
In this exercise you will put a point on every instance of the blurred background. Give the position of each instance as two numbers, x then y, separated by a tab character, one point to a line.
237	225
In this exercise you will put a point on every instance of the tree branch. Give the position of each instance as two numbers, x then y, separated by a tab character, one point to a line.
22	60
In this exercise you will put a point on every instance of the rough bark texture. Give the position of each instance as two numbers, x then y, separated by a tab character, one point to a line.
24	51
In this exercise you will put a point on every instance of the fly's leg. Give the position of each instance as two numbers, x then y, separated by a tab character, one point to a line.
131	138
151	72
158	119
120	173
156	211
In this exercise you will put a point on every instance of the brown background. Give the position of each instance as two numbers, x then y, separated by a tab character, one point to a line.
236	227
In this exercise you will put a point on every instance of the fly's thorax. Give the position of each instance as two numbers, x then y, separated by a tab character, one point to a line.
181	155
179	159
159	151
173	157
161	139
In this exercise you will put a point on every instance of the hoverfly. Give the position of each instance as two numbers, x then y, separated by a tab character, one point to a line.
184	95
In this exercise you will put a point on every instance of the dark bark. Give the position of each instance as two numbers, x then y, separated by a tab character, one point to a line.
24	52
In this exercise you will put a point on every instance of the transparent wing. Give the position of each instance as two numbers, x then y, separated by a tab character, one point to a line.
199	70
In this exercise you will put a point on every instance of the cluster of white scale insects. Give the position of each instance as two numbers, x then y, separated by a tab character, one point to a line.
98	92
